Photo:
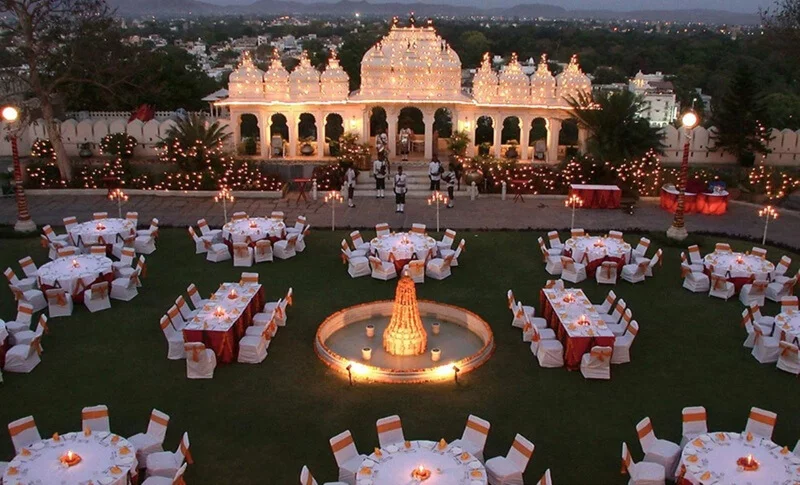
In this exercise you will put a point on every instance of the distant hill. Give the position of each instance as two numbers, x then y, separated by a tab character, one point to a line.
173	8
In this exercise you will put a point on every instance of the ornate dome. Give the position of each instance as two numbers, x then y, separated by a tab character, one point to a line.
543	84
247	81
335	83
514	84
304	80
572	81
484	84
276	80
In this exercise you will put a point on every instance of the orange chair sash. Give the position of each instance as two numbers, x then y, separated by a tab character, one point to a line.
601	355
186	453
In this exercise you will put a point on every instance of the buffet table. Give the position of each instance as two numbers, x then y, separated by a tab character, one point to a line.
447	465
597	196
711	203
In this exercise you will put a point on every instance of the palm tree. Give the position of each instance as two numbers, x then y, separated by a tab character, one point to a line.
617	131
194	143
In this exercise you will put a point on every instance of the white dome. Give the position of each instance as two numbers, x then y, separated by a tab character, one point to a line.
276	80
335	83
484	84
572	81
514	84
304	80
543	84
247	80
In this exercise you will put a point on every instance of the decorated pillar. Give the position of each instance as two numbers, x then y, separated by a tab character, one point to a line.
497	124
391	120
524	131
319	125
263	124
291	122
428	119
553	131
583	136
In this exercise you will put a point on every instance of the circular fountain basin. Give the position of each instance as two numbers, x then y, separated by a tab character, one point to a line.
465	340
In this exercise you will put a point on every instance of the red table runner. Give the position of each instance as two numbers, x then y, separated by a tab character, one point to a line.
597	196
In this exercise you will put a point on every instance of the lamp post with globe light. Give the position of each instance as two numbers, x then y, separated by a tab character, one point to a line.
24	223
678	229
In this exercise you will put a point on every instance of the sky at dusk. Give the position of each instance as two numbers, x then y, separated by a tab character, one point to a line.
749	6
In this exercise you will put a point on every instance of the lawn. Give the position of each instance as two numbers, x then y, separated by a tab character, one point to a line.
259	424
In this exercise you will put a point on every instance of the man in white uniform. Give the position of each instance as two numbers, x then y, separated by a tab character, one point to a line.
400	190
435	173
350	182
380	169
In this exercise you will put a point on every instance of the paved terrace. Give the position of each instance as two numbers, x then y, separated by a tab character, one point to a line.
537	212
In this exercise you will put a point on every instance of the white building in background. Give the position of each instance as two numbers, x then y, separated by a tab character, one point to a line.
661	104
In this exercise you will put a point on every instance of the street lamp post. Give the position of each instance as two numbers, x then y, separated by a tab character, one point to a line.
24	221
678	230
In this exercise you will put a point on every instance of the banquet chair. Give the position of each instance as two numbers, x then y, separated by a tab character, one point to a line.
779	274
439	268
242	255
642	473
555	243
23	358
217	252
574	233
174	340
238	216
145	244
747	323
167	463
416	270
358	242
447	240
194	296
51	235
67	251
124	267
619	328
459	249
766	323
277	216
623	343
606	273
59	303
150	231
418	229
382	270
307	479
176	479
186	312
301	239
23	433
694	267
126	288
25	337
253	348
789	304
34	297
22	321
640	251
24	284
201	244
596	364
657	260
99	216
97	250
299	225
353	253
760	252
720	287
152	440
382	229
753	293
552	262
215	235
285	248
549	352
695	257
347	457
788	359
765	347
534	330
133	218
615	235
96	298
635	272
29	267
70	223
279	307
572	271
176	318
608	303
761	422
473	440
722	248
390	431
263	251
775	291
518	311
200	361
51	246
557	285
95	418
694	423
696	282
508	470
664	452
268	330
357	266
616	315
546	478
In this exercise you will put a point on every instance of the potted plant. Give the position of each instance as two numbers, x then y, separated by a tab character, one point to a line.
306	148
119	145
249	145
512	149
484	148
85	150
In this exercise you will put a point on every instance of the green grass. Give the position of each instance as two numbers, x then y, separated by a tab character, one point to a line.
261	423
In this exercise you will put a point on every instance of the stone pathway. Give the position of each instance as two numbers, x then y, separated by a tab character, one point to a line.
542	212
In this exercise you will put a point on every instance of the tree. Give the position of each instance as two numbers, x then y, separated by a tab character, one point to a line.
473	44
782	25
617	132
195	144
739	117
61	42
783	110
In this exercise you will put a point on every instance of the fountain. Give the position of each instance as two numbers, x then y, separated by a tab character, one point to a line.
417	337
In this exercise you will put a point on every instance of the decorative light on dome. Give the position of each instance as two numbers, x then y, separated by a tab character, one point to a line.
543	84
335	83
304	80
484	84
572	81
247	80
514	84
276	79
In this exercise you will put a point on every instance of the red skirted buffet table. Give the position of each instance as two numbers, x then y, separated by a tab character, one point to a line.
597	196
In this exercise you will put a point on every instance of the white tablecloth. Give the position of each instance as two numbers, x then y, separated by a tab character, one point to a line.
100	453
403	245
729	262
396	463
91	231
569	313
256	228
789	322
712	460
233	308
598	248
64	273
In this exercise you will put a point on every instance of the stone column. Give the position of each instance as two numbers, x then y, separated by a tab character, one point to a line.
524	131
391	131
497	124
583	136
428	119
236	125
553	130
319	125
291	123
263	124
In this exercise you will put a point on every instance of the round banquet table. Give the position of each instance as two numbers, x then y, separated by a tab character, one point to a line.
739	273
253	229
789	323
106	459
711	458
404	246
66	272
595	250
91	232
448	467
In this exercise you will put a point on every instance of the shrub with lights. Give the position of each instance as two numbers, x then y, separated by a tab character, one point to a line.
118	144
43	150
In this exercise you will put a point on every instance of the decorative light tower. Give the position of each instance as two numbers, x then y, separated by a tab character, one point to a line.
766	213
573	201
405	334
678	230
436	198
224	195
332	198
120	197
24	222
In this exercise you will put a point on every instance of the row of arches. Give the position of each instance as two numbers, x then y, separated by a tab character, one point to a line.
250	130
